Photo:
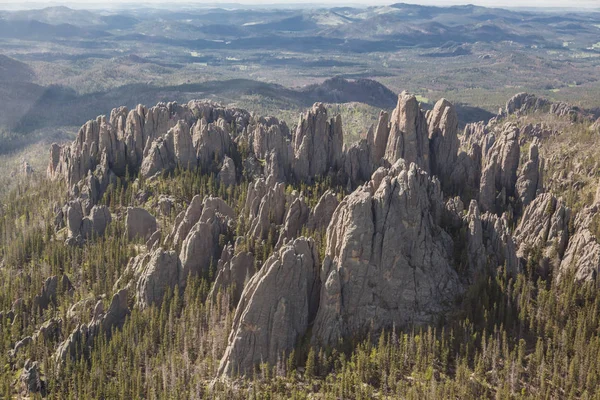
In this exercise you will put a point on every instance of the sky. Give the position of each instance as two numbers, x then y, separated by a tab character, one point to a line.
487	3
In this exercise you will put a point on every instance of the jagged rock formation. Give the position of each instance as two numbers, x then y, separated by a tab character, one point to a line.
317	144
233	271
276	307
31	378
489	243
399	248
82	338
50	291
499	175
139	223
529	182
582	255
523	103
408	137
185	221
321	214
544	227
160	274
227	174
387	261
266	206
201	246
443	139
295	218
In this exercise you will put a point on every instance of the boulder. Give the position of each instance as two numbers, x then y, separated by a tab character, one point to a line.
139	223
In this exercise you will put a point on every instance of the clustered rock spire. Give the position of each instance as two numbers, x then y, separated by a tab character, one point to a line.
391	244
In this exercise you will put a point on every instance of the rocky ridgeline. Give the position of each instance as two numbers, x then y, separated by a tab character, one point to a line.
399	248
524	103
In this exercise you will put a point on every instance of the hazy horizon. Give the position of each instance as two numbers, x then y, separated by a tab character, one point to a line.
15	4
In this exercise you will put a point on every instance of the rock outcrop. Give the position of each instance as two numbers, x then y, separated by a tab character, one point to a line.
499	176
529	183
82	338
139	223
408	138
387	262
296	217
275	310
582	256
321	214
227	173
233	272
317	144
201	248
443	139
544	229
49	292
185	221
31	378
160	274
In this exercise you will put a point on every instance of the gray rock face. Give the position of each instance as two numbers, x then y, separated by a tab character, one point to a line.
82	227
582	255
522	103
387	261
139	223
166	204
321	214
379	140
295	218
227	174
443	136
31	378
489	243
270	140
357	164
408	138
48	294
212	141
529	182
500	172
201	248
233	271
275	310
271	209
186	220
74	218
94	225
82	337
317	144
544	226
161	273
